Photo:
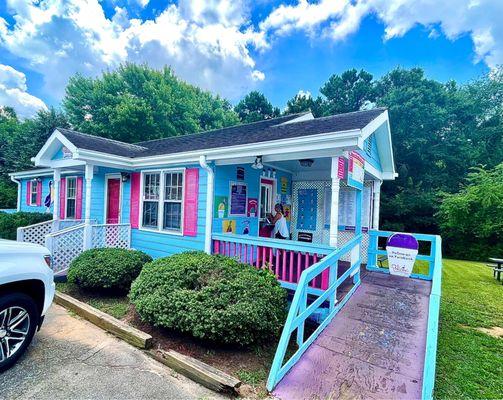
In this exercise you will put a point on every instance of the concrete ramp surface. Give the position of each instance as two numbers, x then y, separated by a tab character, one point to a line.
374	348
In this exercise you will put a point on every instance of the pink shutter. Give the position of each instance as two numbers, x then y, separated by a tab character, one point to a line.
28	192
190	202
62	197
78	202
39	193
135	200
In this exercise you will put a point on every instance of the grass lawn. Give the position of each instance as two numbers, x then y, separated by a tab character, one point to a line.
469	362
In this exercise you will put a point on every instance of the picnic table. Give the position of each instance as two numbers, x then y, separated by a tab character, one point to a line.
498	268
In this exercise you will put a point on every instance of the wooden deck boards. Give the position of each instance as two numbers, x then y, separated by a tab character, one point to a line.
373	349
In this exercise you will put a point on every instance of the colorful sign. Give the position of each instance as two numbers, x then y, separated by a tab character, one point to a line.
341	168
252	207
66	153
240	173
229	226
402	251
287	209
308	203
220	210
238	200
284	184
356	170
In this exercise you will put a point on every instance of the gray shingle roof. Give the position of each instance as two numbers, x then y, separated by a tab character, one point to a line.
263	131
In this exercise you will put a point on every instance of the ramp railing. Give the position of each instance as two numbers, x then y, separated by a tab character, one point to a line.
428	266
301	308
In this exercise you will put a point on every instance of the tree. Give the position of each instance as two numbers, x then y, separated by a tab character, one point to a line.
303	101
471	221
136	103
347	92
255	107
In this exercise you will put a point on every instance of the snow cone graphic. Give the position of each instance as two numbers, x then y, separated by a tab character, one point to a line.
402	251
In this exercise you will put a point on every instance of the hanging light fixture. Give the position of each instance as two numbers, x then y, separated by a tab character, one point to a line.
306	162
257	164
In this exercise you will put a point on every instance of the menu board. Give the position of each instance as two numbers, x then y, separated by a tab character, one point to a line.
238	198
308	205
347	207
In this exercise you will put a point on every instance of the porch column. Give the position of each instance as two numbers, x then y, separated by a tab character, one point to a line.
334	207
55	205
89	179
376	204
89	172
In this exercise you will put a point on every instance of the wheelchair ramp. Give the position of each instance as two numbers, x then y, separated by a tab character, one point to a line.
373	349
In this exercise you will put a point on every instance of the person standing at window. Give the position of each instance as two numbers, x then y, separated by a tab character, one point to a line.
280	227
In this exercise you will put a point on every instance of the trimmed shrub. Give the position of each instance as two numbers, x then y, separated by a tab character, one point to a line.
110	268
9	222
211	297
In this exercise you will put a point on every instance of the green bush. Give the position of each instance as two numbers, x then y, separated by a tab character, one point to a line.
10	222
214	298
112	269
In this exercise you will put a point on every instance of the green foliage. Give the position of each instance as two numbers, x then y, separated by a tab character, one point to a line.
136	103
214	298
471	220
111	269
255	107
10	222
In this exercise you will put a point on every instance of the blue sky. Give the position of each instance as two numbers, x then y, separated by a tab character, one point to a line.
233	46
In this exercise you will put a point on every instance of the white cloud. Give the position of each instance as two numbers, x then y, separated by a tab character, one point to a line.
13	93
207	44
336	19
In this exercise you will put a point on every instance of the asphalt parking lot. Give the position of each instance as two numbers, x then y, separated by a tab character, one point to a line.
71	358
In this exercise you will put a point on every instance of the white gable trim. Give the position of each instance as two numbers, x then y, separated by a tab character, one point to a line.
43	157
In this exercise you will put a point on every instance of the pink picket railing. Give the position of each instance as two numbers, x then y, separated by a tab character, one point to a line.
285	258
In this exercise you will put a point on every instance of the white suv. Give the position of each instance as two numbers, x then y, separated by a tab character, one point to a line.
26	292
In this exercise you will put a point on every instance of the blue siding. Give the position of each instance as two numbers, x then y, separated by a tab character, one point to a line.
371	157
45	191
226	174
58	155
158	244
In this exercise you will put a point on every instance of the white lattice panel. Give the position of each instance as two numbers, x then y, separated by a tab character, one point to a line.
118	236
36	233
66	245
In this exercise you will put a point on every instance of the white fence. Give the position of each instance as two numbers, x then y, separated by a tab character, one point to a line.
66	239
36	233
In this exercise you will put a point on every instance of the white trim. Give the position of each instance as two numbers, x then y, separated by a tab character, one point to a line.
40	172
66	196
56	136
160	211
375	124
274	192
210	196
105	208
18	205
31	203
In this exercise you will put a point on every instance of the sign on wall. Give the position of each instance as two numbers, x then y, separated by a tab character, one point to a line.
238	198
252	207
401	249
356	170
308	202
220	210
284	184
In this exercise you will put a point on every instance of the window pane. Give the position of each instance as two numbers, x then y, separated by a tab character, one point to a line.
150	214
151	185
70	208
173	186
71	189
172	216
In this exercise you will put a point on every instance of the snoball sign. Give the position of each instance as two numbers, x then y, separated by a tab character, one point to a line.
402	251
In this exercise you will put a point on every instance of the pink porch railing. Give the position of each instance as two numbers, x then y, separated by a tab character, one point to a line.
285	258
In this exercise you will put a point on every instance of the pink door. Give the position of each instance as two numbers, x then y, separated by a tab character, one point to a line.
113	200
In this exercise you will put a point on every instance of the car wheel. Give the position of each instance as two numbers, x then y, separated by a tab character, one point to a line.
19	318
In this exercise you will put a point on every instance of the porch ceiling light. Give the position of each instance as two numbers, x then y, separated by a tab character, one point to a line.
306	162
257	164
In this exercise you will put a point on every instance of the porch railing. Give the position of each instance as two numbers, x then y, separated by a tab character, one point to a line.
64	246
301	309
428	266
36	233
111	235
286	259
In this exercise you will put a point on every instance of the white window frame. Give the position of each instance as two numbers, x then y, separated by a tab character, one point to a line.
241	183
161	201
67	186
33	186
273	195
